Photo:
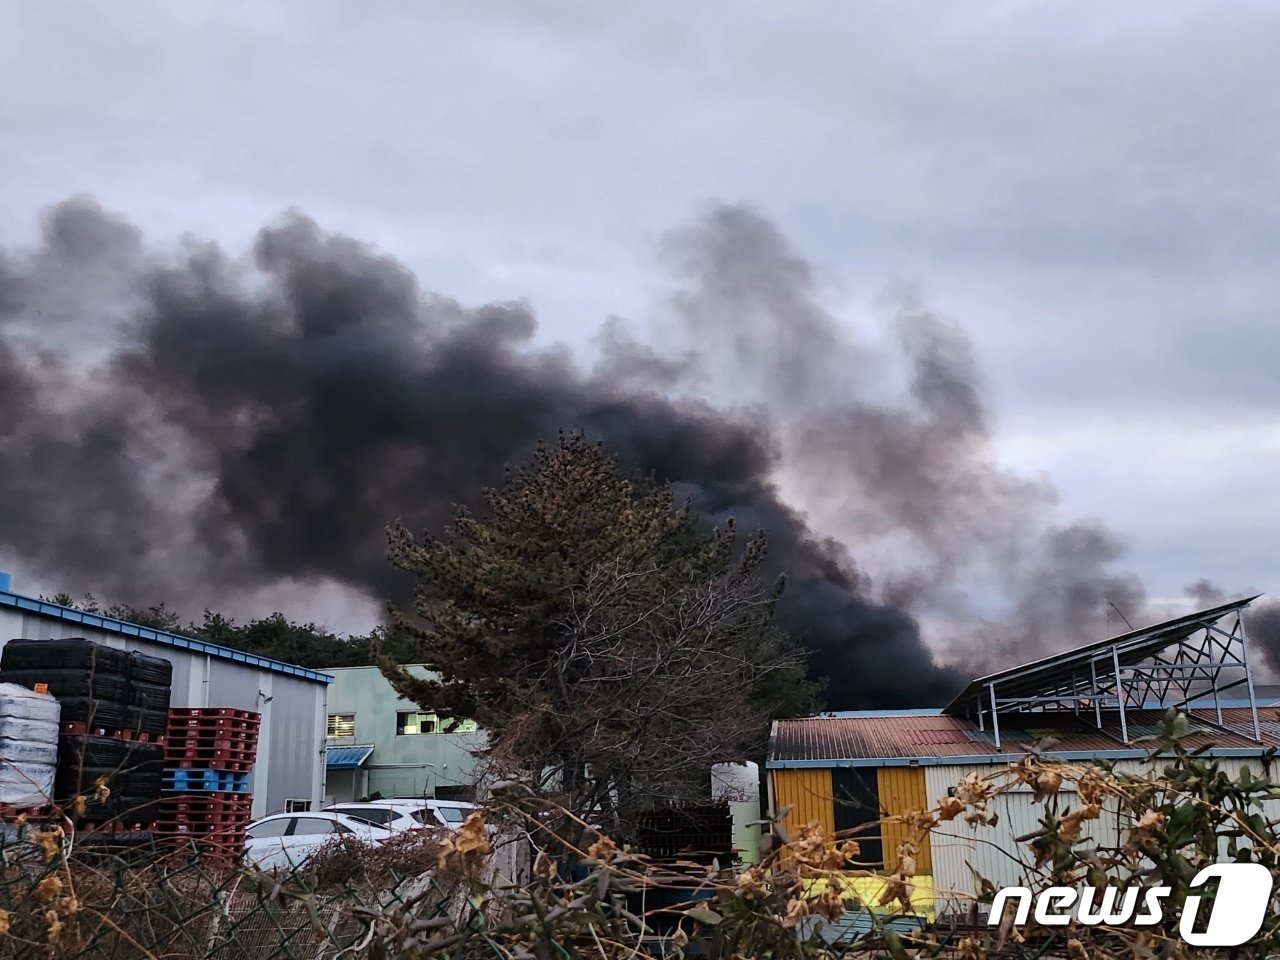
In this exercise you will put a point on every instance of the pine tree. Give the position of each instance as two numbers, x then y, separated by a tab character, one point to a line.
611	648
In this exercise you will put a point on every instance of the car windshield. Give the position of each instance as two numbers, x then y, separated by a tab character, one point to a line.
452	814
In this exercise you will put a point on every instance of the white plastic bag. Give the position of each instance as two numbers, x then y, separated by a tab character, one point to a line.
28	746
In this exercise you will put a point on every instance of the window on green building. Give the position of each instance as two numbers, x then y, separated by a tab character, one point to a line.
411	722
340	726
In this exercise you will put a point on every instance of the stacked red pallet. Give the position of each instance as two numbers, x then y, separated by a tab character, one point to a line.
209	753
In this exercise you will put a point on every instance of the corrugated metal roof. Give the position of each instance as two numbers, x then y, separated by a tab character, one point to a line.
1240	720
864	740
347	758
123	627
832	738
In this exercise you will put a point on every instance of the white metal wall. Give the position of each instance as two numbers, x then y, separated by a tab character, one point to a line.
960	850
1232	767
290	762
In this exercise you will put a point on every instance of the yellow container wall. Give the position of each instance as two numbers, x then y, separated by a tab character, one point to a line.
868	889
808	794
902	789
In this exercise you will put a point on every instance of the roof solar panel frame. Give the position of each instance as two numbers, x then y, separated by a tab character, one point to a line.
1157	665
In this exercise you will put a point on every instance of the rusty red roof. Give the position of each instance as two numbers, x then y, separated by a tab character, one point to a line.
874	737
831	738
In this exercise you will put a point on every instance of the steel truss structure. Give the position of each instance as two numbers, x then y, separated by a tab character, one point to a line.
1196	657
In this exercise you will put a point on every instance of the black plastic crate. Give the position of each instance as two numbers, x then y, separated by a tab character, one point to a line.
146	756
148	669
127	798
143	720
76	682
144	778
693	831
118	843
73	778
105	752
74	781
144	783
138	807
151	696
92	712
73	653
95	812
147	763
122	810
110	753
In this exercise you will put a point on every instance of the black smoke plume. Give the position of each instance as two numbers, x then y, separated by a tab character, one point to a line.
204	428
1261	622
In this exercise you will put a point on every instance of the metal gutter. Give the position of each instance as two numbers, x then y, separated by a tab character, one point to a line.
992	758
164	638
858	714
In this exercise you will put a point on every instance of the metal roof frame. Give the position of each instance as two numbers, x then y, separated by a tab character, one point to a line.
1160	665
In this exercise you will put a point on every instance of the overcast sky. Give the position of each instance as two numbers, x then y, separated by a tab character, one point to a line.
1091	190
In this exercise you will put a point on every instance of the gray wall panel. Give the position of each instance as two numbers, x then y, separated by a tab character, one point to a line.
290	761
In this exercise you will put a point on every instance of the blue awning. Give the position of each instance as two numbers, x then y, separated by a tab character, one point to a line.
346	758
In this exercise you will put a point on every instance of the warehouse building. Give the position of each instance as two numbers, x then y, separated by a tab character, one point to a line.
381	744
289	773
847	771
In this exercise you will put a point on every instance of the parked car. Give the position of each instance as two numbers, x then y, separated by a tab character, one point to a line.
397	817
425	811
451	812
286	840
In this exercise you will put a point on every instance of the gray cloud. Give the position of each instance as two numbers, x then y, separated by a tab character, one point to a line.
1094	197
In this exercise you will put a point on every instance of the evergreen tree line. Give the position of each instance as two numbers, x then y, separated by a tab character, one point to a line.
275	636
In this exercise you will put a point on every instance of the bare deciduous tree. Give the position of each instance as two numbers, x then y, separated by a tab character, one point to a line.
612	649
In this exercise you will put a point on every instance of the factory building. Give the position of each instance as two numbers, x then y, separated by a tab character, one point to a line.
292	700
1103	701
382	744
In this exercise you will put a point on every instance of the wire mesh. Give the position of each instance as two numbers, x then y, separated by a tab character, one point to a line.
65	898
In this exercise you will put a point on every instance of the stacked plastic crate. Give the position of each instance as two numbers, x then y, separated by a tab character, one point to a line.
114	712
209	754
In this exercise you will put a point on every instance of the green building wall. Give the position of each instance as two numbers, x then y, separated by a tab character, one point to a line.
411	765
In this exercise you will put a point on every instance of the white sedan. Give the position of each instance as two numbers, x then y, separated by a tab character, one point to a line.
286	840
408	813
395	817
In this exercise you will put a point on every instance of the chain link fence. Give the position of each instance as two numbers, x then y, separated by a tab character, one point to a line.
70	897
